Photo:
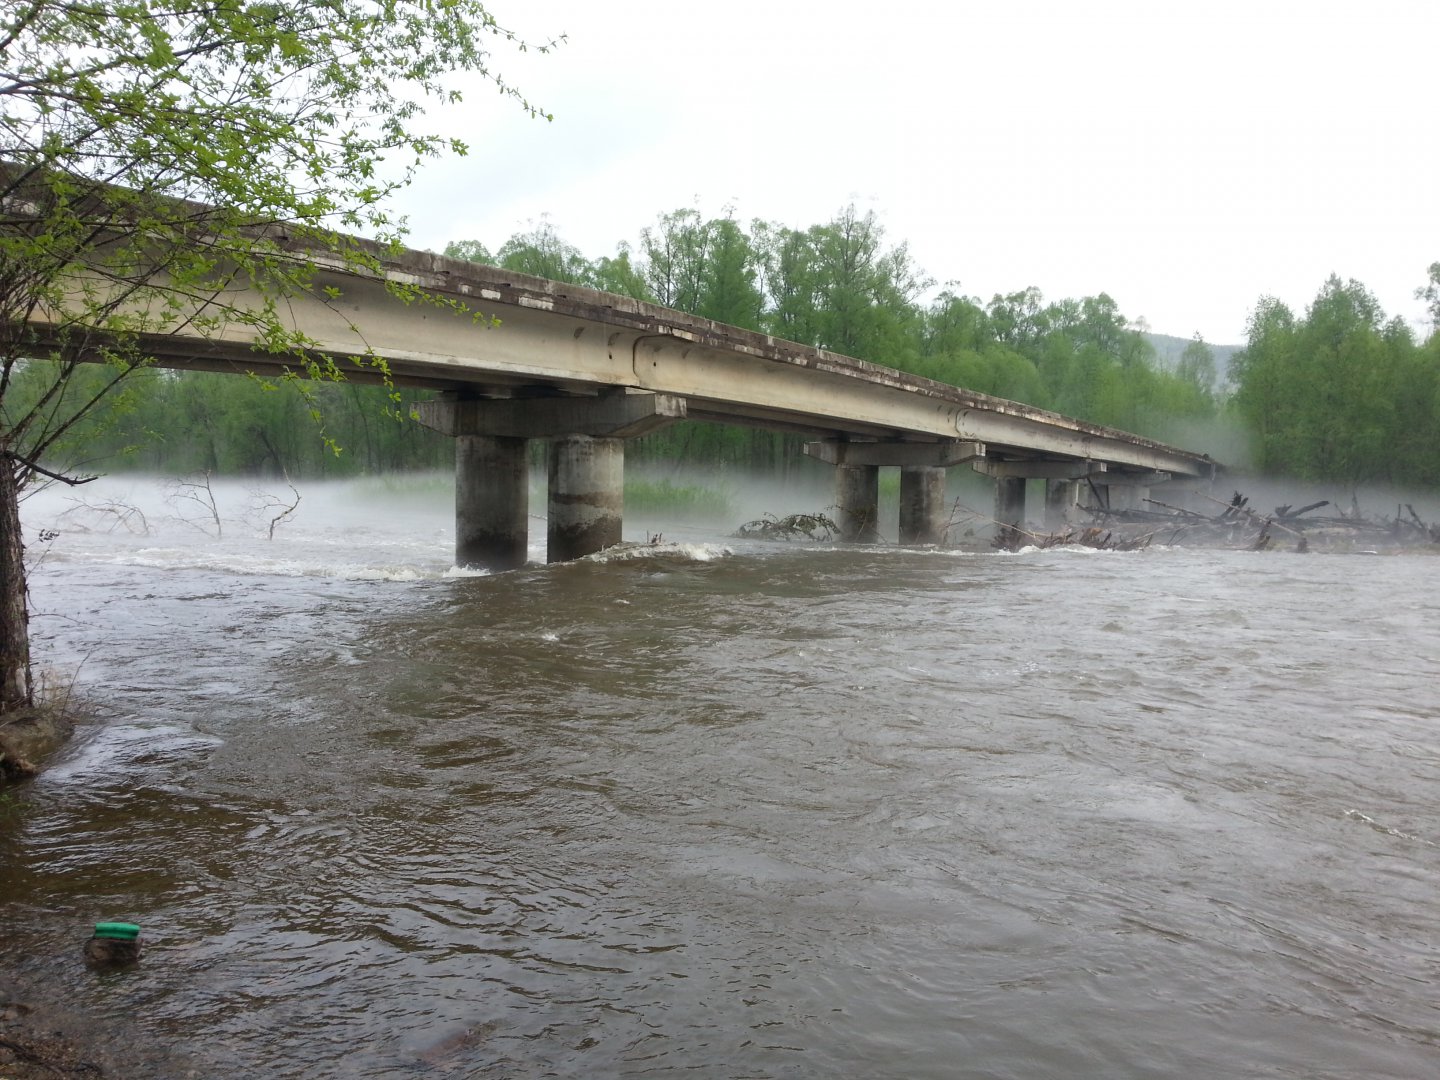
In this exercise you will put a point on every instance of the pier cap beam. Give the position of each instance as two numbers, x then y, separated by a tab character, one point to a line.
936	454
616	415
1041	469
1128	491
1146	479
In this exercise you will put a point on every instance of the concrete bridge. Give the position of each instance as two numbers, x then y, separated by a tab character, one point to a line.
585	371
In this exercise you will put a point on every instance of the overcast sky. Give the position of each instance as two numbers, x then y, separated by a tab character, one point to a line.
1185	158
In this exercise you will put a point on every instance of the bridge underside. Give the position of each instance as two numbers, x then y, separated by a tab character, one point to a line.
586	438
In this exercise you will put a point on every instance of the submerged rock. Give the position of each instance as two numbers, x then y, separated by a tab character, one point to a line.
114	945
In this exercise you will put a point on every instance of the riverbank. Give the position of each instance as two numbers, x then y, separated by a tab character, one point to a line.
27	738
34	1045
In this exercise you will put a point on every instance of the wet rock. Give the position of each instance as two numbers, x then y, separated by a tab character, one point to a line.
115	945
107	953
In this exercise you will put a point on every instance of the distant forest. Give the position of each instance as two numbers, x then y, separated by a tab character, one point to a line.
1339	393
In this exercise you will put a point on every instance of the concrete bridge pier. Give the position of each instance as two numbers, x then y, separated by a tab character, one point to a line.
1128	491
586	469
587	496
1062	497
1063	483
922	504
857	501
1010	503
492	501
922	484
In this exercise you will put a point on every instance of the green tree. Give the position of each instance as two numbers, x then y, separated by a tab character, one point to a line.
542	253
469	250
155	153
618	274
787	263
865	294
1430	293
1264	373
1341	394
1197	367
1019	319
673	254
728	293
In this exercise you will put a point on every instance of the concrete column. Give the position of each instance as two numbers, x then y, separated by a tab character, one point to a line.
1010	502
922	504
1128	496
492	502
587	496
1061	497
857	493
1094	496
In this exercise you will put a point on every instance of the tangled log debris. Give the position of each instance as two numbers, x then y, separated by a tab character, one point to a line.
1009	538
1237	525
791	527
1234	525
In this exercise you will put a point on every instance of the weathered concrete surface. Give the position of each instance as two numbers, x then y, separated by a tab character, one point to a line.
557	338
1040	469
922	504
611	414
1061	500
857	497
587	496
492	502
940	454
1129	491
1010	502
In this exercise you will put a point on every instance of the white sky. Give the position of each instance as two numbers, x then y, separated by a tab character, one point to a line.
1186	158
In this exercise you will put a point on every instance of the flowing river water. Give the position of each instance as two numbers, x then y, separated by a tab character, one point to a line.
726	809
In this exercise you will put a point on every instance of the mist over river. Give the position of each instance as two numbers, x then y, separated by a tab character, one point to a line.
724	809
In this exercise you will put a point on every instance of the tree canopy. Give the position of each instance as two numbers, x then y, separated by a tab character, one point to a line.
1341	393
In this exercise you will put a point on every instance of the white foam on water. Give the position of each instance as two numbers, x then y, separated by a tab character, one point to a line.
466	572
691	552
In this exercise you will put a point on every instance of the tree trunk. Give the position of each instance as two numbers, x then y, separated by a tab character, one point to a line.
15	689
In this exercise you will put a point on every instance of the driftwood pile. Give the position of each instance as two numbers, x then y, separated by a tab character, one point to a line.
1010	538
1237	525
1234	524
790	527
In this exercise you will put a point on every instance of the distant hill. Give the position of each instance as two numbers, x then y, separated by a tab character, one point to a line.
1168	350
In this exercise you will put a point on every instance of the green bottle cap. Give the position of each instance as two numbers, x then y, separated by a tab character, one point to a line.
117	931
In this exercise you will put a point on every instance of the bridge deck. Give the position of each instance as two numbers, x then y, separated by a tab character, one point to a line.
566	339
